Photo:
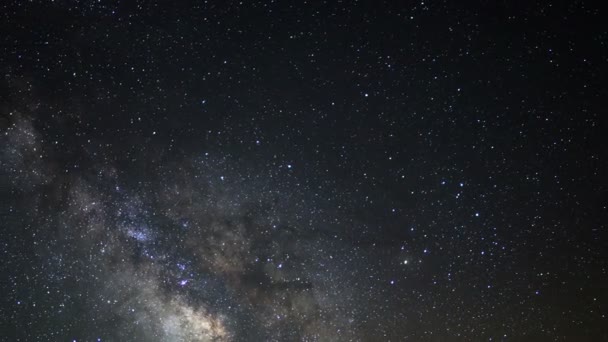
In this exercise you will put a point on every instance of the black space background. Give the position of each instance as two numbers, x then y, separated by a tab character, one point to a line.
466	138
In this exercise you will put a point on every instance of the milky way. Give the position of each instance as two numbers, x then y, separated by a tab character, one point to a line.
297	171
196	253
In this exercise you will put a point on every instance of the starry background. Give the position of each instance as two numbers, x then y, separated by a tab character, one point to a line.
303	171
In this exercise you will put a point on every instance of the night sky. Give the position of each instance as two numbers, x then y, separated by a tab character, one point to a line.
303	171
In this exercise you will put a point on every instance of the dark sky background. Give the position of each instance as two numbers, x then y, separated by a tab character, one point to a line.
303	171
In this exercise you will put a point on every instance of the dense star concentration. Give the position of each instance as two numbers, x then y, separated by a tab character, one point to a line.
303	171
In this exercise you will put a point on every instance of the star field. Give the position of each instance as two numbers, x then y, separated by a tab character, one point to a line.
303	171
